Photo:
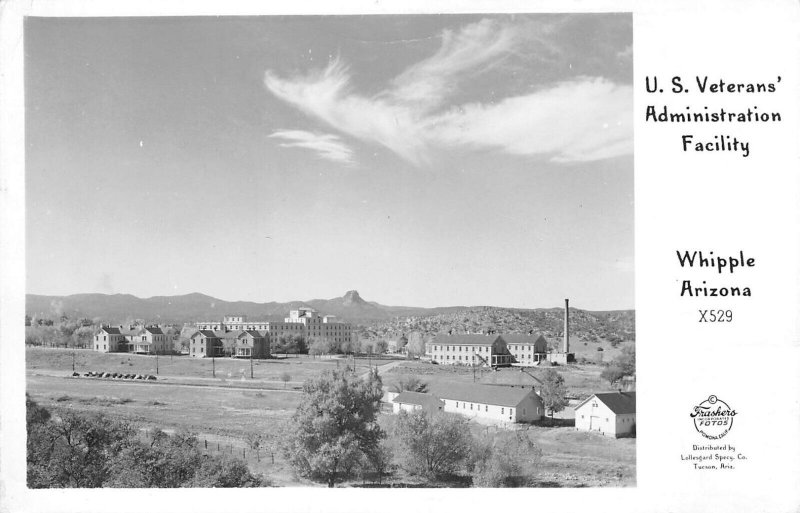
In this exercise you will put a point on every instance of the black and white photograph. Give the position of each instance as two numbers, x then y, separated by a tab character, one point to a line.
372	256
389	251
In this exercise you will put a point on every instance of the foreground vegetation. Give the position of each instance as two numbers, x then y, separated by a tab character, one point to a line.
234	415
66	449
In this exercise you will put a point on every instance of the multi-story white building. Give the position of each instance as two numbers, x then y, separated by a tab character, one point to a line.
311	325
304	321
133	339
490	350
470	349
526	349
233	323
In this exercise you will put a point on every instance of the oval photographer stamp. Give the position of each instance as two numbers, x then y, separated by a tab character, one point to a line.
713	418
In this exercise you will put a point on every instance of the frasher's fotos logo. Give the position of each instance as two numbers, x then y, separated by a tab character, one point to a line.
713	418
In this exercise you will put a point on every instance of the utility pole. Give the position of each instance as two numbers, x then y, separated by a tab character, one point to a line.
156	363
213	366
251	360
73	361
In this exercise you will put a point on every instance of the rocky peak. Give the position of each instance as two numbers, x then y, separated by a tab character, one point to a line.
352	298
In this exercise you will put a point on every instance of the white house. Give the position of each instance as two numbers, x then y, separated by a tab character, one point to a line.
609	413
489	404
411	401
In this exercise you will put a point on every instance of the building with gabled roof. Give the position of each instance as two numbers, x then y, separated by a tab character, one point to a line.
251	344
527	349
490	404
412	401
609	413
132	339
205	343
470	349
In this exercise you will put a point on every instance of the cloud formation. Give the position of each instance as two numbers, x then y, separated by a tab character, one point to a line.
583	119
327	146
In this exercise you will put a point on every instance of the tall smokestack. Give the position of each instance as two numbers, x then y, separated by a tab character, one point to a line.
566	325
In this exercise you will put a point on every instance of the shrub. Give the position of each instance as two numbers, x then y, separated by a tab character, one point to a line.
434	445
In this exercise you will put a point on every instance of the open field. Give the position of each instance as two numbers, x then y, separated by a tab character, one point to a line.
223	411
300	368
580	380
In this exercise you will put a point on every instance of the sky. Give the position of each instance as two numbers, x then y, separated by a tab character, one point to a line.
423	160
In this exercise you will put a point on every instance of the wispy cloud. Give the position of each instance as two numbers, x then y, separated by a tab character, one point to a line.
584	119
475	49
587	119
327	146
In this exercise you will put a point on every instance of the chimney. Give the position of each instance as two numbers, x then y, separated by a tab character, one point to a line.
566	326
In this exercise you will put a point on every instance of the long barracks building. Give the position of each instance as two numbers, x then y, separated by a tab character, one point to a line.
488	350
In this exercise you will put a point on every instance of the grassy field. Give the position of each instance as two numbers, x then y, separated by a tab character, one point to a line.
224	410
580	380
183	367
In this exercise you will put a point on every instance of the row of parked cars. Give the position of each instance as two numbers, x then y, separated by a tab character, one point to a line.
113	375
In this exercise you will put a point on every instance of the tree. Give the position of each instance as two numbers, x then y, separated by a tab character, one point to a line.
553	391
505	461
378	461
433	445
285	377
83	336
89	451
381	346
319	346
416	344
76	451
290	343
334	426
626	360
410	383
228	345
367	346
612	373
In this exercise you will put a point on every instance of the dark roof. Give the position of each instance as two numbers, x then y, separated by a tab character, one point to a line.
483	394
519	338
463	339
110	330
206	333
618	402
418	398
228	334
154	331
252	333
515	377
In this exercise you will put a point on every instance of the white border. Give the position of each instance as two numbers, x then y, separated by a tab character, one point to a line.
655	491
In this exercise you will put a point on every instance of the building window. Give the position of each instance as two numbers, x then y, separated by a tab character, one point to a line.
470	406
456	404
486	407
502	411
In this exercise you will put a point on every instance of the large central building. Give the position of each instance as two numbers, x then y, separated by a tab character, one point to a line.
305	322
314	326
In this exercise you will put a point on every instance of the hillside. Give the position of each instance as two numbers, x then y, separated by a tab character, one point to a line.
586	326
118	308
376	320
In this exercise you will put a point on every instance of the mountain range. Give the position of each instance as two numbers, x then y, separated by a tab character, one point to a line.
117	308
377	319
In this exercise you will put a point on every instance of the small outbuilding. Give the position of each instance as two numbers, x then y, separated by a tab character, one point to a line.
609	413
